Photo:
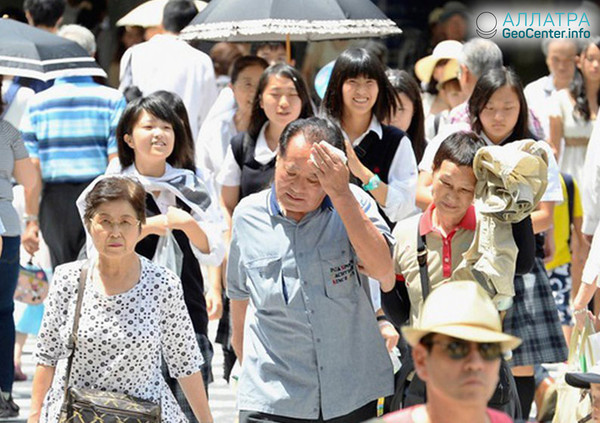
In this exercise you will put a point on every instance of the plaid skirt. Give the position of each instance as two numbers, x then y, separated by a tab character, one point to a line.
534	318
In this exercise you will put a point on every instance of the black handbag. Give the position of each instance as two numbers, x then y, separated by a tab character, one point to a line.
82	405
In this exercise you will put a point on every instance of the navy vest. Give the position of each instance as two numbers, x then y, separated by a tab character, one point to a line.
255	176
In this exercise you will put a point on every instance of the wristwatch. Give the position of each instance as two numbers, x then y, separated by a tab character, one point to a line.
372	184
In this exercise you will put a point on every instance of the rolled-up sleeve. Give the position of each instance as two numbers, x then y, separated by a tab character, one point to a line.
402	183
178	340
50	346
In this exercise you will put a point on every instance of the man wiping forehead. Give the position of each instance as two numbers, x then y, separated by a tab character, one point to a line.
312	349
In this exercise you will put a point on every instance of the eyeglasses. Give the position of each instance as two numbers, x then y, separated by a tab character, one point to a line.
124	225
459	349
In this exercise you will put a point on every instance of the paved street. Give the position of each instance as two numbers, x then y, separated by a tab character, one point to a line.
222	398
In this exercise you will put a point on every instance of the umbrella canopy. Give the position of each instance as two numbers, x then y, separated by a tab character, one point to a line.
34	53
150	13
300	20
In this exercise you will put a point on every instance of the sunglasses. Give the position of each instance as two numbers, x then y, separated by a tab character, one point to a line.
459	349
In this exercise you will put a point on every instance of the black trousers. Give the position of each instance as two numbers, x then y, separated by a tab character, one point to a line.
359	415
60	222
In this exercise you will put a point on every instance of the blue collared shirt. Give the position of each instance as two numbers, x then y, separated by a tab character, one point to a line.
311	340
70	128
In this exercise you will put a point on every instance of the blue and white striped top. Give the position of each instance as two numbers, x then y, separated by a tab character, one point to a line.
70	128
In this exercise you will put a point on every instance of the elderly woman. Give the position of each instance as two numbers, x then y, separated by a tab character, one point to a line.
132	314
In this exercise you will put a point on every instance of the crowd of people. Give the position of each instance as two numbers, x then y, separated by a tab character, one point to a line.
354	242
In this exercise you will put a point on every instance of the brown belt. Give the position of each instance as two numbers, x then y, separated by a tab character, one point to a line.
577	141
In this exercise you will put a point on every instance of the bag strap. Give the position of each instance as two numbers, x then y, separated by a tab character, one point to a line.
363	147
72	342
422	260
9	96
570	185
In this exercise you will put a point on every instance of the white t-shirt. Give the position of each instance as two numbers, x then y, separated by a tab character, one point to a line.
231	174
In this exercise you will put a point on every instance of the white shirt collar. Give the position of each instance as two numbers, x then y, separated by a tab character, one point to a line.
374	126
262	153
489	141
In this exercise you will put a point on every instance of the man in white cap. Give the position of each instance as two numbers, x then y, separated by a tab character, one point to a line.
457	347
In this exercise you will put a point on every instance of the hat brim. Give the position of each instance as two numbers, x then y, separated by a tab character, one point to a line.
582	380
424	67
468	333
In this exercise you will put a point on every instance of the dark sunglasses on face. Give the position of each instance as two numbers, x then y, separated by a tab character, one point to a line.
458	349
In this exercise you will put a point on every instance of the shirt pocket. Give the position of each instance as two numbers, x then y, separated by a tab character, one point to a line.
266	282
339	271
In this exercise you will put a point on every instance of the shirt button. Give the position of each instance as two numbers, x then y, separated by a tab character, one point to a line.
447	260
300	255
320	367
318	340
305	282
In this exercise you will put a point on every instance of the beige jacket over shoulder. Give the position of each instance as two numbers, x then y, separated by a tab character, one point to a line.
511	180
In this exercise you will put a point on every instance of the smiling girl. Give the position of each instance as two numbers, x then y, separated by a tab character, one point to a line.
359	97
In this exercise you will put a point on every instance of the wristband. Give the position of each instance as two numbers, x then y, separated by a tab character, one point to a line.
579	311
382	317
372	184
30	218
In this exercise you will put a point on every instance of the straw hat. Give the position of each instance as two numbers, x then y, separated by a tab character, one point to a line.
448	49
461	310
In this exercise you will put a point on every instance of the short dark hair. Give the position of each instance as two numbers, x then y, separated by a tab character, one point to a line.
45	12
258	116
159	108
459	148
404	83
116	188
177	14
223	55
314	130
244	62
271	45
352	63
491	81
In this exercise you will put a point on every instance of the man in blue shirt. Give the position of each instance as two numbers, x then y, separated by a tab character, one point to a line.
69	131
302	320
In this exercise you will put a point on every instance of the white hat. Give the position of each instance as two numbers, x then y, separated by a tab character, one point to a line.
448	49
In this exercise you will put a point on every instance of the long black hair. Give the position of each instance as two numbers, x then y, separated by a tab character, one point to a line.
352	63
403	82
486	86
258	116
577	88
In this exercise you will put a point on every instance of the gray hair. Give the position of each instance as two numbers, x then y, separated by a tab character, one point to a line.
480	55
547	41
80	35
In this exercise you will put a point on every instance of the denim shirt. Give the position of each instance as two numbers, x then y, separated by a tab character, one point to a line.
311	340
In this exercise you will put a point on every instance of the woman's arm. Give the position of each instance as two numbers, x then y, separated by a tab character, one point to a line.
230	197
42	380
424	197
195	393
556	134
543	216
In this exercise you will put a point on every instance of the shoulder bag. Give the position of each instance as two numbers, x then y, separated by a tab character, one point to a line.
83	405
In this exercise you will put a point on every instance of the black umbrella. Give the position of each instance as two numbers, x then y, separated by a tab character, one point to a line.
34	53
298	20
